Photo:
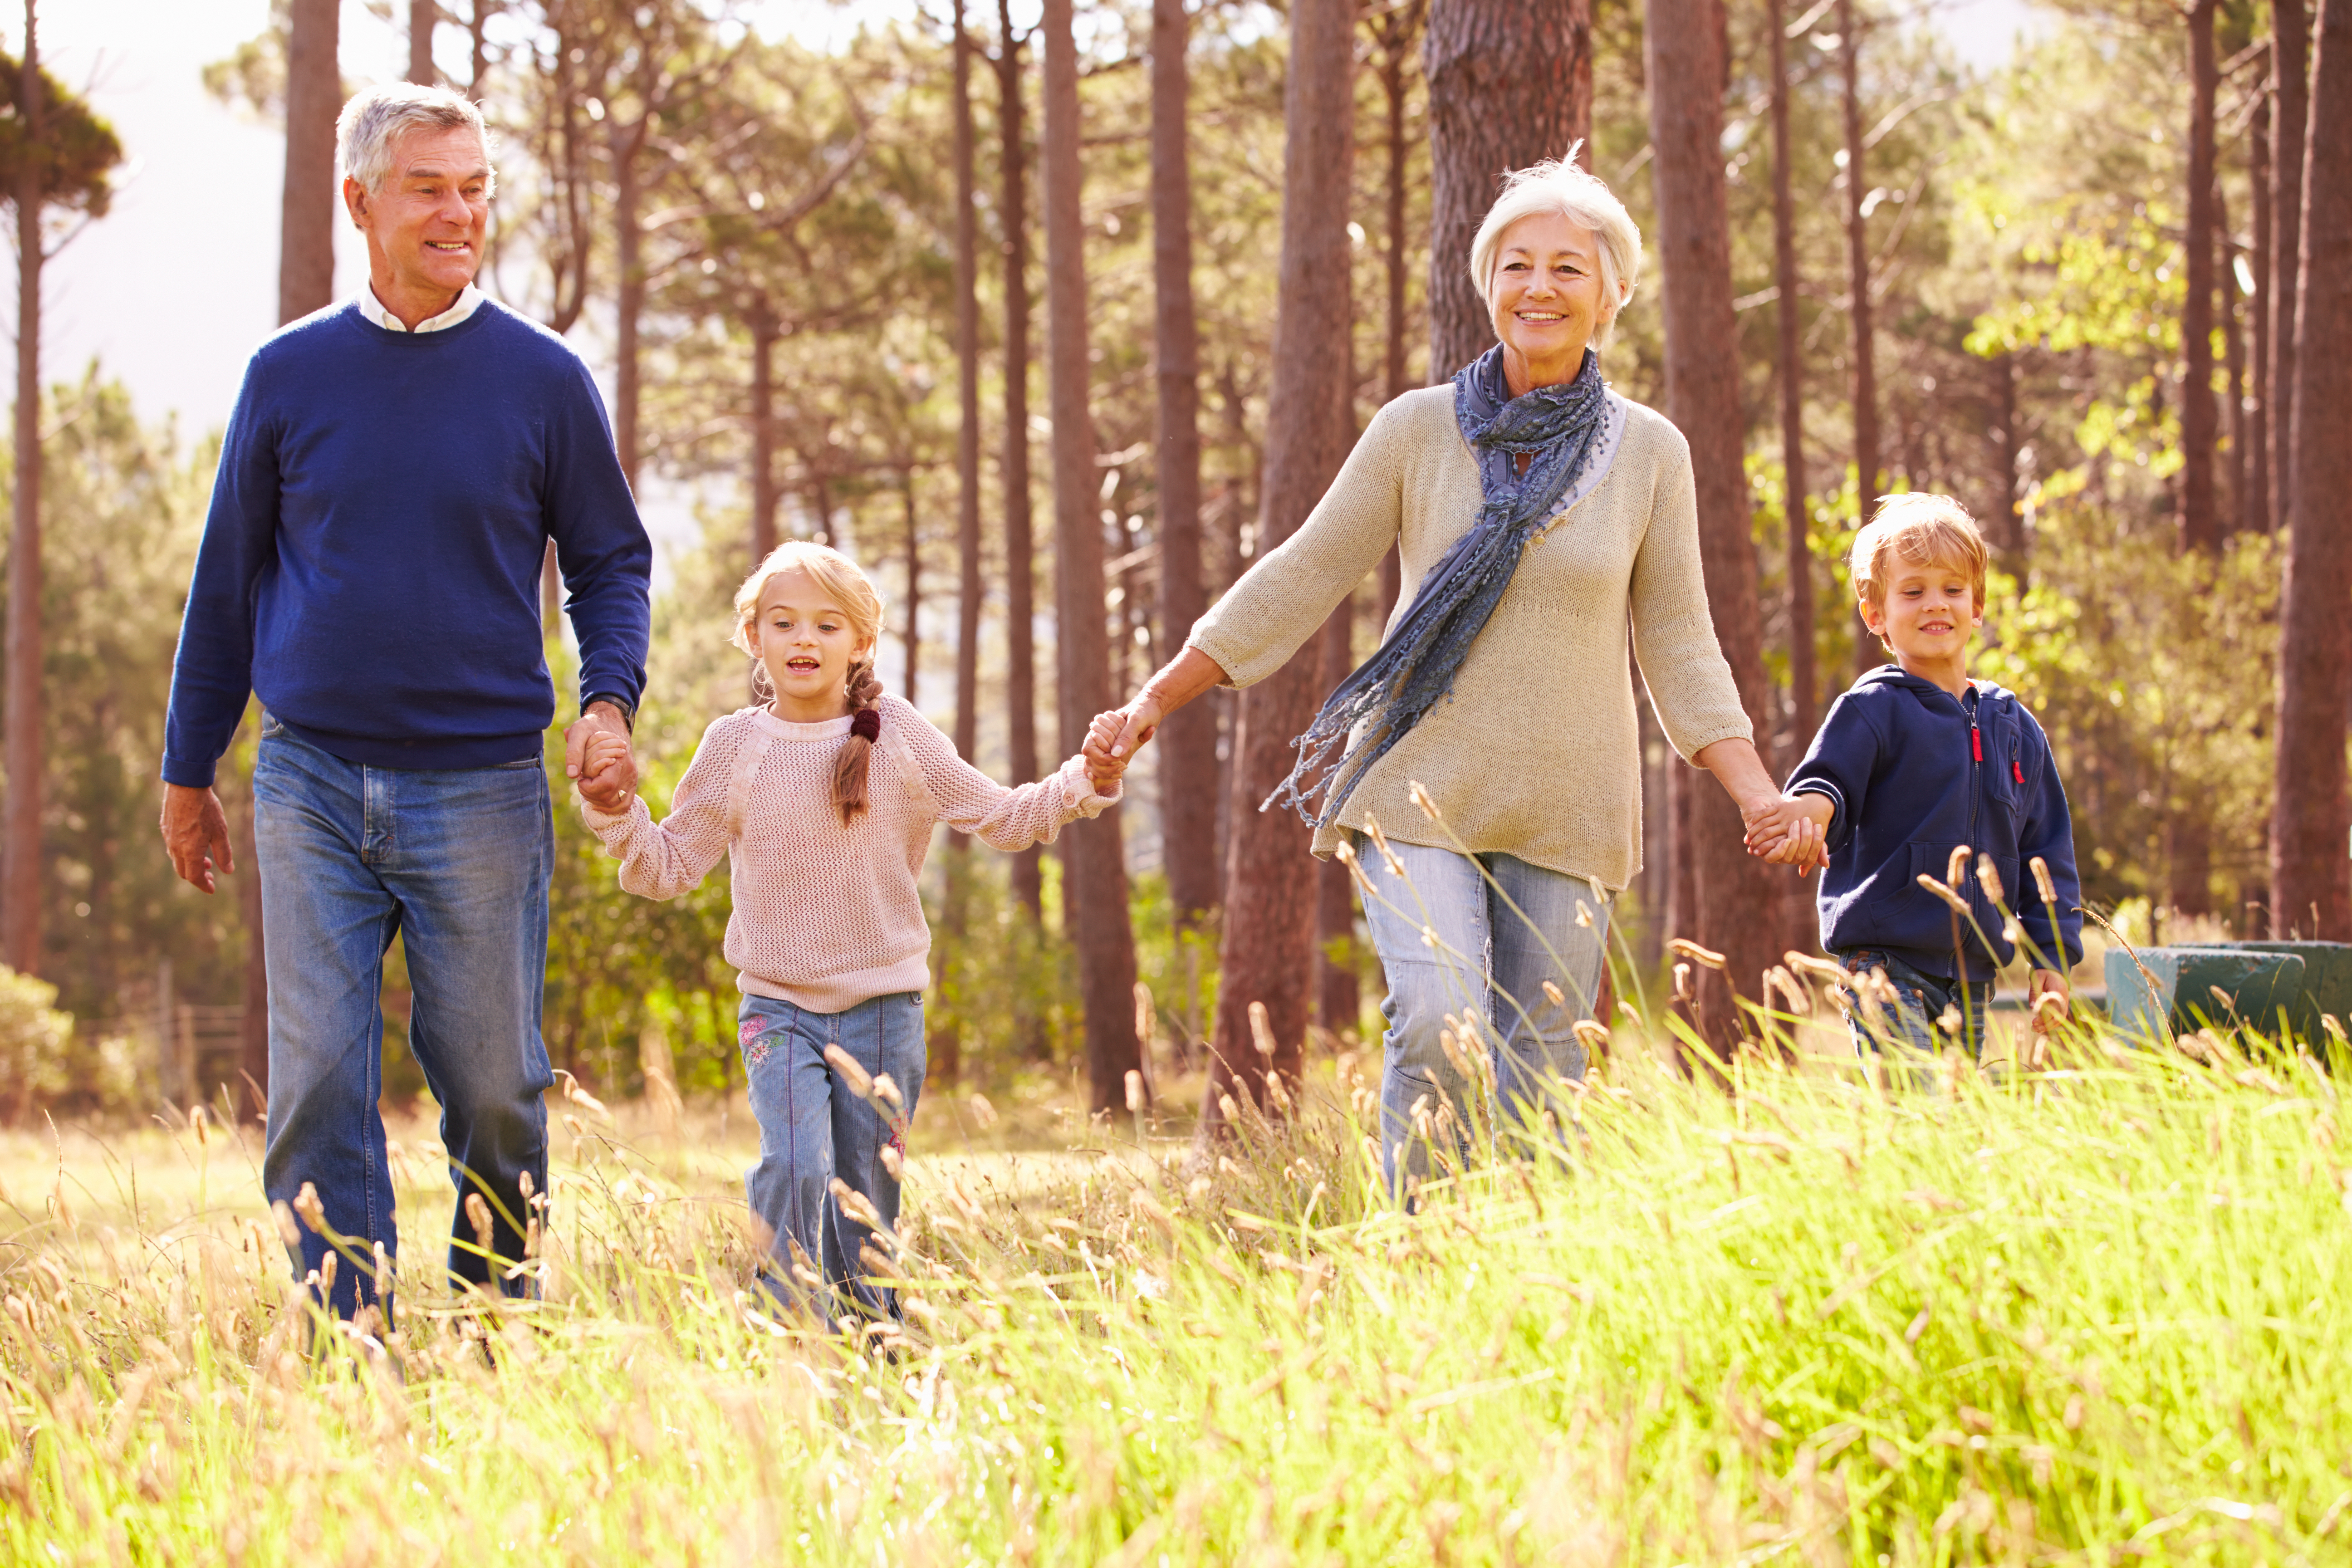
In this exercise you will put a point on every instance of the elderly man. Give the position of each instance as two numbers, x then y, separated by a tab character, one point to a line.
391	473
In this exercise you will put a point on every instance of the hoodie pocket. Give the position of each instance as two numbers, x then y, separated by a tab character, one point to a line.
1893	892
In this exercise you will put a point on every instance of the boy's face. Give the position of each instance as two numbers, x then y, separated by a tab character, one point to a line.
1925	613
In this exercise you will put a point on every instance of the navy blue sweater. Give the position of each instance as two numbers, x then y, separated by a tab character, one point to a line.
1913	771
370	563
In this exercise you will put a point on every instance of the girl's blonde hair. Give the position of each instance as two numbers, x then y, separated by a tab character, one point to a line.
840	580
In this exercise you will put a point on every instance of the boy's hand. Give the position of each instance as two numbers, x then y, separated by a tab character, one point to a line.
2048	982
1792	831
608	774
1103	768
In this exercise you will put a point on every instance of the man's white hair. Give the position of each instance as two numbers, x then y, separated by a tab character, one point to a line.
1560	186
378	117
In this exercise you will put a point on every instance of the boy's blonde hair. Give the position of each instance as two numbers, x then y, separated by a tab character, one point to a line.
848	588
1921	529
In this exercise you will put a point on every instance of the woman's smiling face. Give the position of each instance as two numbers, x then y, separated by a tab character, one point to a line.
1547	296
807	644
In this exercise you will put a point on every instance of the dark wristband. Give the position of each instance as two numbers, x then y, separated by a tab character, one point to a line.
628	709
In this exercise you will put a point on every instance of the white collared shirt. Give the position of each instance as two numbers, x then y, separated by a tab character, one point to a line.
469	300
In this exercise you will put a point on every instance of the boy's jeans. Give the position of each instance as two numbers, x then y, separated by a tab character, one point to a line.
1488	958
456	863
1920	1002
811	1129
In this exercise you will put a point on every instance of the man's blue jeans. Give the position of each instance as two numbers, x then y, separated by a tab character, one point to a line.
813	1129
1921	1001
1495	945
454	863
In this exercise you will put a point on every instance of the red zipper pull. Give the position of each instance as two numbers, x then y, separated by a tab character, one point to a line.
2018	769
1976	742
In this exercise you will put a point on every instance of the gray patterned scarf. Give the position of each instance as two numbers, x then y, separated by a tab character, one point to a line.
1414	667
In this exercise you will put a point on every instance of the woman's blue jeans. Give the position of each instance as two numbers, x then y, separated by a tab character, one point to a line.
455	864
1452	939
813	1129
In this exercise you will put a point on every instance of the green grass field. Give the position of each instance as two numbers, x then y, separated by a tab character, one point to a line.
2096	1314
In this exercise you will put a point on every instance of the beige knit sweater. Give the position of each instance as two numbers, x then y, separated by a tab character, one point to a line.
826	916
1537	753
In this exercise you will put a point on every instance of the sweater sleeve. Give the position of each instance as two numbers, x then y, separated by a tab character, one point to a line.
2046	828
600	543
1288	593
1673	631
662	859
970	802
1838	766
212	674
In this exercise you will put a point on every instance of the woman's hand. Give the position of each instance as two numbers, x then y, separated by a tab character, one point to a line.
1185	677
1792	831
1740	772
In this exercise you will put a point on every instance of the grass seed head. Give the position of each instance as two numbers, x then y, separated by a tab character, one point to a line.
1989	878
853	1077
1553	995
287	1231
478	1215
894	1162
1944	891
886	1093
1261	1029
1134	1092
2041	882
1684	948
982	1111
1958	865
307	1205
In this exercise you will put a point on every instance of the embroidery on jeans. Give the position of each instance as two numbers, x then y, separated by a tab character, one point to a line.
754	1043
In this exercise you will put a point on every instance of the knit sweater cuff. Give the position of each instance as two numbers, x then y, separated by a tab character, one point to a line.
1079	797
609	825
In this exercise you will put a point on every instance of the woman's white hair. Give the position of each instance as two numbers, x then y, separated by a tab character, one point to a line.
1560	186
379	116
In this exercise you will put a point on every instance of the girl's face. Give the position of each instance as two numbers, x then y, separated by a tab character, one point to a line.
807	646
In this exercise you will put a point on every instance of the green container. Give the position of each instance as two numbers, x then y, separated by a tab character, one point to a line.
2185	988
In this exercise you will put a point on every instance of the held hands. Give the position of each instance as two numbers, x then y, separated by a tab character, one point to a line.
1104	767
607	772
1792	831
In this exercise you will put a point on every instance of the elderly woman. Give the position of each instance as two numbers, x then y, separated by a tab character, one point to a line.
1546	521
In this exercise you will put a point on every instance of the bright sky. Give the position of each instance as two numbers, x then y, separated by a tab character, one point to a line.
173	289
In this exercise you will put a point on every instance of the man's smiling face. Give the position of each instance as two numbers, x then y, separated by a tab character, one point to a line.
427	225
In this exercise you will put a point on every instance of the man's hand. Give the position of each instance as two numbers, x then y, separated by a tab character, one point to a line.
2048	982
195	834
1102	767
608	773
600	719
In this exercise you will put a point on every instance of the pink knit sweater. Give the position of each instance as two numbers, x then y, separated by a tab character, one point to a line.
827	916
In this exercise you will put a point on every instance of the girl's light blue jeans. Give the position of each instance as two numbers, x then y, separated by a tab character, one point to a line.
813	1129
1453	940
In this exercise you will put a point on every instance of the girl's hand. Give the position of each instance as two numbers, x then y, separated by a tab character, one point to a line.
1103	766
608	774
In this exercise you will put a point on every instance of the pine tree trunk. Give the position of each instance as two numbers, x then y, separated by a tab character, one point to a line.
2233	367
477	32
765	331
1804	685
422	14
1338	999
2311	878
914	546
20	889
2200	524
1397	31
1683	45
628	255
2291	104
1188	741
967	329
1094	876
1270	899
2256	517
1020	547
2010	519
305	245
1868	655
1510	84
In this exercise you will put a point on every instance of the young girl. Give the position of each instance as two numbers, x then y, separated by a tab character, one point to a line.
824	801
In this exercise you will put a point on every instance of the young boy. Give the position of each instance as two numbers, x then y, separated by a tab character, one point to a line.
1911	764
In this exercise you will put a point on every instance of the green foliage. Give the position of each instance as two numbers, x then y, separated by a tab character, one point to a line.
36	1060
78	150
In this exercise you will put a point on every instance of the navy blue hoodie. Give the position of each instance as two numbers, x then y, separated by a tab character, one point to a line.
1913	773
